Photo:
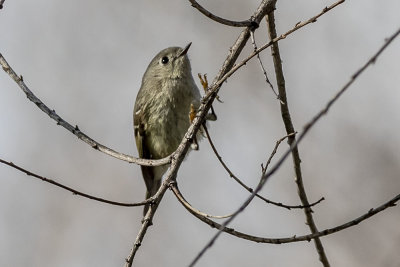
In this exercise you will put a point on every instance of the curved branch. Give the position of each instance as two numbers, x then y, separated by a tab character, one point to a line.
249	189
244	23
1	3
75	130
76	192
186	204
296	238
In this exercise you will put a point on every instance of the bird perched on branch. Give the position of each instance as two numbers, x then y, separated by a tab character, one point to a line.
163	111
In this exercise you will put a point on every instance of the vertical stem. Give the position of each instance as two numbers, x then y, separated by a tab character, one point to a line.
292	138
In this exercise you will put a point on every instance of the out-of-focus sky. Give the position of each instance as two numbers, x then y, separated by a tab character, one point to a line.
85	59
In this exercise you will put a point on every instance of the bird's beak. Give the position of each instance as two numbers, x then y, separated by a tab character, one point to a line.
184	51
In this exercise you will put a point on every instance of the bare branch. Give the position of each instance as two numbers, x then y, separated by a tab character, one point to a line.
228	69
249	189
1	3
297	238
253	42
287	153
75	130
74	191
244	23
186	204
146	222
286	117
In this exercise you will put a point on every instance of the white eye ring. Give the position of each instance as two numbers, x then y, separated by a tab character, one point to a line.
164	60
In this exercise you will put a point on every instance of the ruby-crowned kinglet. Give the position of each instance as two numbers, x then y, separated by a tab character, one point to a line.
161	114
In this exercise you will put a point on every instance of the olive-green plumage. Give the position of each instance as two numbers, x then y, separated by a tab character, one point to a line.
161	113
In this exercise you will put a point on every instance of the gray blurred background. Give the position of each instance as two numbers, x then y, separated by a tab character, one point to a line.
85	59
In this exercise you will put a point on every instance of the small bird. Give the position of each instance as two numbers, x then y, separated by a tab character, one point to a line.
163	109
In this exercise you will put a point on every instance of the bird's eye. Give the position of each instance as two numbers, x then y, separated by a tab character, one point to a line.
164	60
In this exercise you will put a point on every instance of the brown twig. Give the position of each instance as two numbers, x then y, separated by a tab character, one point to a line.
75	130
292	139
298	238
249	189
244	23
76	192
253	42
186	204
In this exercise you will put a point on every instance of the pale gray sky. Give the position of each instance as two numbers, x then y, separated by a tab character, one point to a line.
85	59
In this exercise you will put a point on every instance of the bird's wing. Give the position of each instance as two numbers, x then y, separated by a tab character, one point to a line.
141	144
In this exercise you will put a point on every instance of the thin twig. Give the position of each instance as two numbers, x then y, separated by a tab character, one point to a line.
75	130
278	164
74	191
286	117
244	23
298	238
253	42
186	204
249	189
228	69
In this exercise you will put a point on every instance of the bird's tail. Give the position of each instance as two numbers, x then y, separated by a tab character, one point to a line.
152	189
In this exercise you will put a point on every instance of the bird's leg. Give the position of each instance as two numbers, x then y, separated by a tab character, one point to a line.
204	82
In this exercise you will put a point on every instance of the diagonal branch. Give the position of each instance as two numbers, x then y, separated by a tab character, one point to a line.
253	42
278	164
249	189
75	130
76	192
228	69
292	139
